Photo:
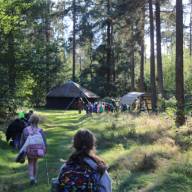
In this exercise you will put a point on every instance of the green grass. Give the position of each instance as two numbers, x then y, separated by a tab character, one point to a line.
145	153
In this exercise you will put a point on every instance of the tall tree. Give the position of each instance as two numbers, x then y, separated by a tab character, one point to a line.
190	33
47	44
109	41
132	59
180	118
142	47
152	59
159	56
74	39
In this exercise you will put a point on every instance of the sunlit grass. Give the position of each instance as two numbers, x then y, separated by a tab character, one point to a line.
144	153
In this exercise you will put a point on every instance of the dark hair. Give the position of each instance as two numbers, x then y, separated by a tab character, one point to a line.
83	142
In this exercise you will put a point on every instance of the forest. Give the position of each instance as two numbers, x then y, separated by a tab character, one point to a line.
104	45
111	47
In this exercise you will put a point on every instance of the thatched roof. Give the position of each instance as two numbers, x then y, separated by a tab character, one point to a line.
71	89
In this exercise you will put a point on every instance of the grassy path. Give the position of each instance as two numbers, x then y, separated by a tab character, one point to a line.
59	128
142	152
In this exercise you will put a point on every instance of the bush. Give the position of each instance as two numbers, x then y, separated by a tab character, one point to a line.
169	106
7	108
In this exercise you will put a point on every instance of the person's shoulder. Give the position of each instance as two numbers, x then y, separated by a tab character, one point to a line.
27	128
40	130
91	162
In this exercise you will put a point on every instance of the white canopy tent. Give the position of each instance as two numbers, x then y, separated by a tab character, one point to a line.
130	98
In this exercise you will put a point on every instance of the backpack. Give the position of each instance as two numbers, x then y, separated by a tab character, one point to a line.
78	178
35	144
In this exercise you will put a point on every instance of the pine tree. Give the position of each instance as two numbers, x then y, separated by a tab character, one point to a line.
180	118
159	56
152	59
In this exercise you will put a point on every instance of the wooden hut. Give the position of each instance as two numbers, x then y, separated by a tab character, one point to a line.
66	96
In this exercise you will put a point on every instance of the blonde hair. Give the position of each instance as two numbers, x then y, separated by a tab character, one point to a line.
34	120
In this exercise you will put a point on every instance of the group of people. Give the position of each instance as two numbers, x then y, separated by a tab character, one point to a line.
26	137
96	107
83	171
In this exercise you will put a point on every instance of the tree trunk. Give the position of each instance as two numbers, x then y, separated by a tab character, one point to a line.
142	52
108	43
47	43
180	117
142	86
90	53
11	64
159	56
132	60
113	56
74	39
152	59
190	35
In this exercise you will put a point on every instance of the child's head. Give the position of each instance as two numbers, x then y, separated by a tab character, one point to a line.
34	119
84	140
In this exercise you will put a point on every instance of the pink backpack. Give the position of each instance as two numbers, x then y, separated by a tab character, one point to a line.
36	146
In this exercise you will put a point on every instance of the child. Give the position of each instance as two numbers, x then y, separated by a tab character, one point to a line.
37	138
85	166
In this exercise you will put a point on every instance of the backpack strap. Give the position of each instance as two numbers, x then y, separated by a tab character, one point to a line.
30	130
93	165
95	168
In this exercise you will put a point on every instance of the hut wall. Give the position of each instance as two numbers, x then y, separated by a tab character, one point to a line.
60	103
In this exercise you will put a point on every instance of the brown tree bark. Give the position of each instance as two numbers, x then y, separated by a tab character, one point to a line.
190	35
159	55
132	60
113	55
108	62
74	39
152	59
180	116
142	51
47	38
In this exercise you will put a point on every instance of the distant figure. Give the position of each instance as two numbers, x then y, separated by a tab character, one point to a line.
89	108
137	105
86	107
14	131
95	107
90	105
28	115
84	171
33	142
124	107
80	105
101	108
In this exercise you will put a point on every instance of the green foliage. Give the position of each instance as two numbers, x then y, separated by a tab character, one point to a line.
24	91
168	105
30	50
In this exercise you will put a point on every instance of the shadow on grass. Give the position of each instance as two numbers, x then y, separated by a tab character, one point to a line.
177	178
131	182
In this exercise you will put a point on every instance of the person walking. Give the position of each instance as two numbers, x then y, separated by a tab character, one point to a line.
80	105
14	132
33	142
84	171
